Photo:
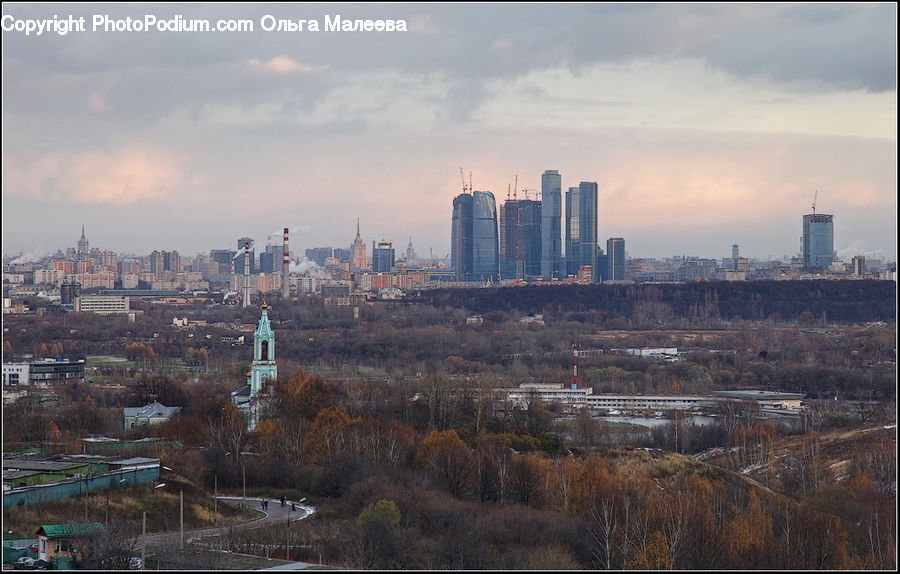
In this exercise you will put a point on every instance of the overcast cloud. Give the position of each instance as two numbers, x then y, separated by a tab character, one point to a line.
703	124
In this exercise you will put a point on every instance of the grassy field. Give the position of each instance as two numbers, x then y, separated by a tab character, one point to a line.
109	361
122	509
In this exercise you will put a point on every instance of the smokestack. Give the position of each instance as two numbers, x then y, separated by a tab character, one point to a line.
286	268
246	290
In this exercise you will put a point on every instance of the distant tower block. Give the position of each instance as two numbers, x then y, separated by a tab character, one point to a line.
286	268
735	252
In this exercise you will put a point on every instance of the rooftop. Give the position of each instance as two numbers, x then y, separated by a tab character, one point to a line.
154	409
77	529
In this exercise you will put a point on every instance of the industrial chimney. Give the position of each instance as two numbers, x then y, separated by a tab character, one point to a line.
286	268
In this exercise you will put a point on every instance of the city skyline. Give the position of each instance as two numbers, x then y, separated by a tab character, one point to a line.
703	125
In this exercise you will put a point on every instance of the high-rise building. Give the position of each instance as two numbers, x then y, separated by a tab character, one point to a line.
572	232
587	235
817	241
382	256
165	265
735	252
267	262
129	266
461	237
615	251
157	262
485	237
239	260
551	222
859	265
319	255
84	251
172	262
109	259
411	253
581	227
271	259
474	240
223	259
358	258
520	236
602	265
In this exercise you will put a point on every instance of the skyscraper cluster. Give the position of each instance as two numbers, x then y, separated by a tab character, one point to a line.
529	242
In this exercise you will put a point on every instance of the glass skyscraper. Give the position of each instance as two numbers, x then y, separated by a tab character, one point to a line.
520	238
382	256
461	237
587	235
581	228
817	241
551	224
485	238
572	232
615	252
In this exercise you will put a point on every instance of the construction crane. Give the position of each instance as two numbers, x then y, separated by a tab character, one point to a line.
816	197
516	187
463	179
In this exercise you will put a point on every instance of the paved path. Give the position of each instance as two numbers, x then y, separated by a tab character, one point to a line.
273	514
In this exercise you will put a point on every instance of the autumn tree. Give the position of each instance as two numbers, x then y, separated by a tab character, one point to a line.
304	396
378	442
446	457
228	432
584	428
194	356
750	534
328	435
529	478
492	462
654	556
378	525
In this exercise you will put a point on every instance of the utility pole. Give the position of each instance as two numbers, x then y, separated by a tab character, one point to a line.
288	545
181	500
143	539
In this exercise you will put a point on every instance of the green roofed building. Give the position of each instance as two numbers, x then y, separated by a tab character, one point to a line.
57	541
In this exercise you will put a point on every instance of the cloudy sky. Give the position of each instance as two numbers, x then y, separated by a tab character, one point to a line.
704	125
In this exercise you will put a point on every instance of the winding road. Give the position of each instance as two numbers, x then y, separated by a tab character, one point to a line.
273	514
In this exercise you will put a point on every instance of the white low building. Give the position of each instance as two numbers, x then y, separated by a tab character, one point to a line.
142	417
102	304
585	398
